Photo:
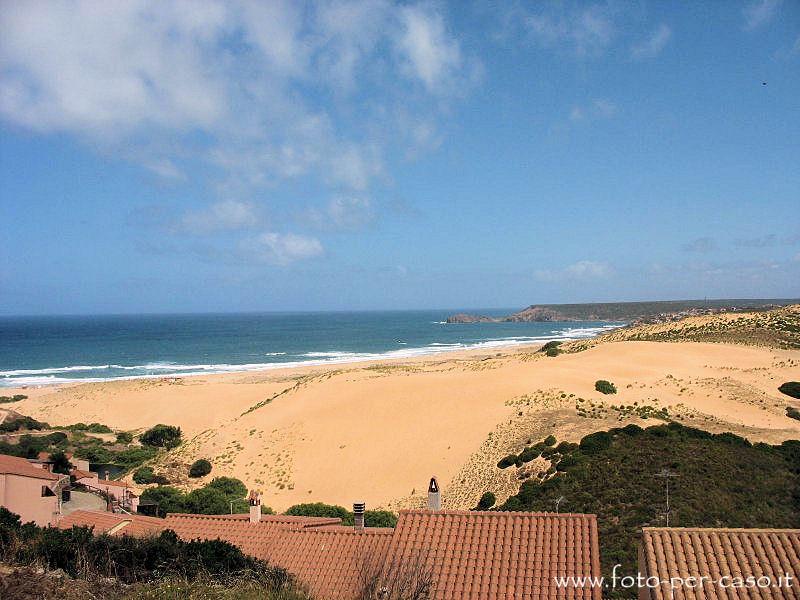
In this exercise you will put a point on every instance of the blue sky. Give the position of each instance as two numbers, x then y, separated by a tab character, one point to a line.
226	156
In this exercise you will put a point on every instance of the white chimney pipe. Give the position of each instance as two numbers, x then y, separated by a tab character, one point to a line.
255	506
434	495
358	515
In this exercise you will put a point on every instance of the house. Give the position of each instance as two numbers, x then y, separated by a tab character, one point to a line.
32	492
474	555
688	563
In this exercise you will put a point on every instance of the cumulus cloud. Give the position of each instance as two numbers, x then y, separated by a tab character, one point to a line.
653	45
579	271
280	248
232	86
701	245
222	216
428	52
759	13
582	30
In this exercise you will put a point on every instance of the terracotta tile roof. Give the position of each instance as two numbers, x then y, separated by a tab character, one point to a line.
329	560
498	555
252	538
13	465
78	474
719	553
113	523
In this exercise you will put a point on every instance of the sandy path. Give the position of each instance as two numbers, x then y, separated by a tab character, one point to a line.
376	432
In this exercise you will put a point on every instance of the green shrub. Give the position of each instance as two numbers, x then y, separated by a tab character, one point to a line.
207	501
169	499
123	437
200	468
14	398
791	388
550	440
319	509
91	427
595	443
528	454
550	346
507	461
61	463
143	475
380	518
23	423
131	559
552	352
487	501
162	436
605	387
792	413
230	486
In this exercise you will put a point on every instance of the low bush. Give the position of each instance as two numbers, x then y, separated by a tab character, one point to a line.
791	388
91	427
200	468
550	346
605	387
372	518
23	423
552	352
487	501
143	475
792	413
596	442
123	437
507	461
162	436
14	398
550	440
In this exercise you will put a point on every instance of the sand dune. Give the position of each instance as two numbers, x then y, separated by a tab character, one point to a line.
376	432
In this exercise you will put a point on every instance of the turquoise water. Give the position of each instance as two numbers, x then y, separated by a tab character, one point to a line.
49	350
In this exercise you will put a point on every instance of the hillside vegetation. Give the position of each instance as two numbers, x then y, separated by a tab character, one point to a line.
716	480
777	328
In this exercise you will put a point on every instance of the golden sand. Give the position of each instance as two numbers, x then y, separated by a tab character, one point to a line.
376	431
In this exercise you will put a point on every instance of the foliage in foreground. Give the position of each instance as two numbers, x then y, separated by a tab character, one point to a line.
128	559
162	436
720	480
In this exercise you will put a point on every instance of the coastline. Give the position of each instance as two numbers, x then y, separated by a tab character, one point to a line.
314	359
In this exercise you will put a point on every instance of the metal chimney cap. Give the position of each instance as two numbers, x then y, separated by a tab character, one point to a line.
433	486
359	507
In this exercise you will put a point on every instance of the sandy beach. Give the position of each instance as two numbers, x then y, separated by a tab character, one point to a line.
376	431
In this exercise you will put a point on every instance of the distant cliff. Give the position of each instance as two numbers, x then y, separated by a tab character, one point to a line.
651	312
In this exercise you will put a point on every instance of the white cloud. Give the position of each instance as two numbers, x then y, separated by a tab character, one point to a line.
222	216
431	55
579	271
240	89
759	13
583	30
653	45
281	248
341	213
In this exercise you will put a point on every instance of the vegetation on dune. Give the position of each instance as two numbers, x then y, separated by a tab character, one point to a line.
132	560
372	518
717	480
791	388
14	398
200	468
487	501
91	427
605	387
162	436
792	413
145	475
19	422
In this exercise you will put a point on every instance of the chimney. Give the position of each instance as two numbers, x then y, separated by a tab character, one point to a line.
255	506
434	495
358	515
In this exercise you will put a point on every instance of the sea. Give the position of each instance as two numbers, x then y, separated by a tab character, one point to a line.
46	350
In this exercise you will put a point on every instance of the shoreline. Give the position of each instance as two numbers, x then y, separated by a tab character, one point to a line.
445	351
